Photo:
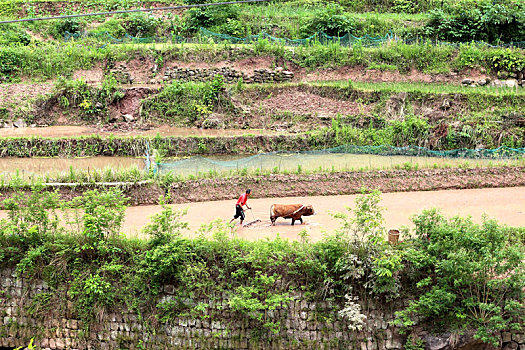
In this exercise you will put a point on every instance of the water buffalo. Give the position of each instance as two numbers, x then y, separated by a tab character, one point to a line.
290	211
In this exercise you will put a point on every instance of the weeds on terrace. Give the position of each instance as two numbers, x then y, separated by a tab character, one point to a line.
188	104
78	98
395	87
458	275
48	60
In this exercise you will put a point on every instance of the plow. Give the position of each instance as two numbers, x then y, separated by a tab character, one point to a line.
254	220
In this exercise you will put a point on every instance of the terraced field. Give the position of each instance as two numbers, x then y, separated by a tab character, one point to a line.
78	99
312	102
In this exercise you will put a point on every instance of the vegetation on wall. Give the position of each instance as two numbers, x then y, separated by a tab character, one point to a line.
87	102
188	104
88	264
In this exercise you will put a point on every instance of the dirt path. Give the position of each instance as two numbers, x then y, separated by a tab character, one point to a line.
507	205
75	131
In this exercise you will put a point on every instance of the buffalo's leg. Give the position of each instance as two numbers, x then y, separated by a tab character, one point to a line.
293	221
273	218
301	220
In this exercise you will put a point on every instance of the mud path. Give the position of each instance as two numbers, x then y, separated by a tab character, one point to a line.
75	131
507	205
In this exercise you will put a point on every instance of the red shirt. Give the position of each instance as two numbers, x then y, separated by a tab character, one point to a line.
242	199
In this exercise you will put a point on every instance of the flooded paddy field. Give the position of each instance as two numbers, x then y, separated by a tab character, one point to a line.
224	165
50	166
503	204
326	162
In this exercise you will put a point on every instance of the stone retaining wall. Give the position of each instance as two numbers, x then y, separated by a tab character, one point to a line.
304	324
230	75
263	75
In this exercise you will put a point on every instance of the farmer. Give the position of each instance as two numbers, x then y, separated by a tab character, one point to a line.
239	211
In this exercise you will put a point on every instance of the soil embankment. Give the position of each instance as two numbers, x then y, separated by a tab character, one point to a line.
347	183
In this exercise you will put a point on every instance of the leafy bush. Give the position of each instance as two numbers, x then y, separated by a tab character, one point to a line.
112	26
405	6
207	17
91	293
411	131
232	27
13	35
101	215
10	62
330	20
69	25
467	274
33	214
258	298
89	102
141	25
486	21
188	103
399	6
506	60
166	225
8	8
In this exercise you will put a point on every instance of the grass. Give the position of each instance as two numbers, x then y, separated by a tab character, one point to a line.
439	88
411	87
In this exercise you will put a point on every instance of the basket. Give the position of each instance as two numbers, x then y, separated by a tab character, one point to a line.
393	237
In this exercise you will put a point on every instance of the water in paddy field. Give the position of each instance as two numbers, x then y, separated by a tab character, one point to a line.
278	162
42	166
264	163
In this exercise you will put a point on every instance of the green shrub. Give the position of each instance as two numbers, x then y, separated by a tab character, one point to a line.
141	25
89	102
411	131
467	274
188	103
8	8
11	62
99	214
112	26
485	21
233	27
330	20
13	35
90	294
32	214
405	6
166	225
69	25
509	60
207	17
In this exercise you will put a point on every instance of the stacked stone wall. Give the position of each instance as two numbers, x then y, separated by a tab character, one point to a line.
304	323
230	75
